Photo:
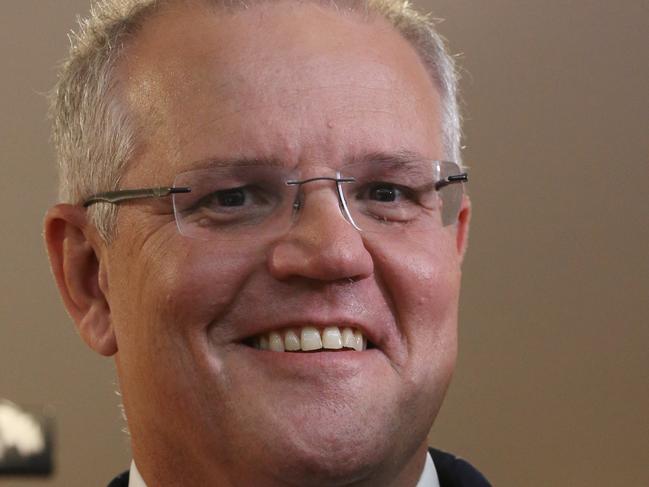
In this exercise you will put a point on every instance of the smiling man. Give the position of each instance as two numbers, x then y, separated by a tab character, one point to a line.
260	223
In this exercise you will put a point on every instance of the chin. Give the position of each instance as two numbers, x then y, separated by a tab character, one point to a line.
341	461
340	446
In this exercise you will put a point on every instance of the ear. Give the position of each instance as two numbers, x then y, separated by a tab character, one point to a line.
462	232
75	250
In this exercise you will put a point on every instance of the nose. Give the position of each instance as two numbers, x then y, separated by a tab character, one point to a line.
321	244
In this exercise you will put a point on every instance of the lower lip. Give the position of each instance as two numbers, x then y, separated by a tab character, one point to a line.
314	361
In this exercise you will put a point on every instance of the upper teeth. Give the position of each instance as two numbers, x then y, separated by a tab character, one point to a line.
310	338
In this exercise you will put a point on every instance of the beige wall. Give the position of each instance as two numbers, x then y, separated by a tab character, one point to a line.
552	386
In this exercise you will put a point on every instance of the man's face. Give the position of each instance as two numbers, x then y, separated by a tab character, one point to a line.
313	90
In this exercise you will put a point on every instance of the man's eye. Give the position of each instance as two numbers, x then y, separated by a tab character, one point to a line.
231	197
385	193
385	202
230	206
238	198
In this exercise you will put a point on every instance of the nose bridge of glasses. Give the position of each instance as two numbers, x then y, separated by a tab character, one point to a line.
318	187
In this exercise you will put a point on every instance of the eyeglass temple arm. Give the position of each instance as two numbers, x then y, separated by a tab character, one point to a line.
459	178
116	197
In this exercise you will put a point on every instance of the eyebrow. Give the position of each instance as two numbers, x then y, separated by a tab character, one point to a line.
396	158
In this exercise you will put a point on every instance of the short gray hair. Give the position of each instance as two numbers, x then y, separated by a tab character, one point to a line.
95	136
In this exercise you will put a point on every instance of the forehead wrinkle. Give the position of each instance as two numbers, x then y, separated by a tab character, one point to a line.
297	98
285	83
220	162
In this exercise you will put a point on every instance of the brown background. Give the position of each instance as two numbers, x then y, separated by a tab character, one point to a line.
552	385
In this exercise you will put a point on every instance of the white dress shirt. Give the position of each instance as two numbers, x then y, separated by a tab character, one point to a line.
428	475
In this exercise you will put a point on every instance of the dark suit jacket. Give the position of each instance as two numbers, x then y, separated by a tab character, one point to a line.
451	471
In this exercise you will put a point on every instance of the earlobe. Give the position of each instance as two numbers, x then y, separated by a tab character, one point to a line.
462	234
75	250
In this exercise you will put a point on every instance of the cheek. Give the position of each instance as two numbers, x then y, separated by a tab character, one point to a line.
422	281
204	282
161	316
171	298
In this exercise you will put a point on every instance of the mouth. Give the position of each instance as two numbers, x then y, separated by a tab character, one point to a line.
309	339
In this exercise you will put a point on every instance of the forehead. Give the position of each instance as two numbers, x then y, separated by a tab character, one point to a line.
299	83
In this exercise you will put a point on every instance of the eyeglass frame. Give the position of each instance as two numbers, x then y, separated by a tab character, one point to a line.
121	196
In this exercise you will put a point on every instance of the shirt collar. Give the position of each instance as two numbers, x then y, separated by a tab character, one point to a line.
428	475
135	479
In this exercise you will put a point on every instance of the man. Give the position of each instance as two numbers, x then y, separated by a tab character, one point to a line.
279	287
